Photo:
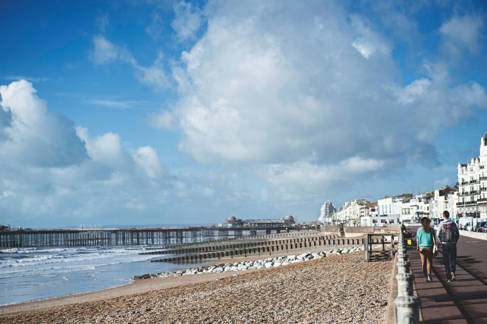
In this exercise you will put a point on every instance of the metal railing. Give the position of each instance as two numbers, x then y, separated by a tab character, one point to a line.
407	305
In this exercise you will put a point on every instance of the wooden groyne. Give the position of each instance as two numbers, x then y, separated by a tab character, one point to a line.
237	242
258	247
164	236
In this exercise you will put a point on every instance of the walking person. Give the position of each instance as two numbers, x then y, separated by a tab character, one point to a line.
448	235
425	240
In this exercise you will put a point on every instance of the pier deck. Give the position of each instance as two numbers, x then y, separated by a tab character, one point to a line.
163	236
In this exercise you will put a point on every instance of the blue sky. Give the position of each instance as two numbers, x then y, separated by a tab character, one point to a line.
174	112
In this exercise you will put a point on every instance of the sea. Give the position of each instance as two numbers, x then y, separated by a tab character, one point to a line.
28	274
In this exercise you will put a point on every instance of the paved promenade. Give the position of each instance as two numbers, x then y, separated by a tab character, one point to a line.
461	301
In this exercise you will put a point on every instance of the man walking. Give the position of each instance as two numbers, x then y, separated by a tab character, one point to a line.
448	235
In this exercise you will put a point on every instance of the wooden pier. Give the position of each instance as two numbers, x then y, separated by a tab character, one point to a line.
163	236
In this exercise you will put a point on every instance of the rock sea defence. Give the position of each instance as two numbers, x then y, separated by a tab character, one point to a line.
255	264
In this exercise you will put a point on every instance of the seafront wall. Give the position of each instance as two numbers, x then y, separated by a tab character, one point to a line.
477	235
360	229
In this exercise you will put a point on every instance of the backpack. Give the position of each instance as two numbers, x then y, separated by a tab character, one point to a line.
448	234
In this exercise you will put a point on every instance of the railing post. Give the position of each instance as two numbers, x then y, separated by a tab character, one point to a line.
407	309
407	305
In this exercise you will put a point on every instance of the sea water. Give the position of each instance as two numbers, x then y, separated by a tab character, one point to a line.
28	274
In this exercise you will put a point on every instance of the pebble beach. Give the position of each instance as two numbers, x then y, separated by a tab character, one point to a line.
335	289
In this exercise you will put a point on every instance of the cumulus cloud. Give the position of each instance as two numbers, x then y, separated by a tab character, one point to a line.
55	174
368	42
187	21
32	135
146	157
253	90
51	169
463	32
163	120
307	173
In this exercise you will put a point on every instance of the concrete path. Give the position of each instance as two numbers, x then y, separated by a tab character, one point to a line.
461	301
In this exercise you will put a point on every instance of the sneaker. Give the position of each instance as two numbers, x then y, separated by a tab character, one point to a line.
453	278
448	281
429	279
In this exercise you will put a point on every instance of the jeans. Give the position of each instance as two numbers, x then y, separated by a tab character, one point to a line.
449	258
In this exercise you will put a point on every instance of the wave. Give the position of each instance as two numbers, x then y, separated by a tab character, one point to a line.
66	260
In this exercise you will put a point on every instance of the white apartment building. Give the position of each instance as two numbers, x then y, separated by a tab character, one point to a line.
327	212
351	211
444	199
416	207
390	208
472	185
373	209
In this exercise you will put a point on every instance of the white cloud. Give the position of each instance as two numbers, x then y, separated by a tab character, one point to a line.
463	31
308	173
53	171
254	91
146	157
55	174
413	91
367	41
363	48
164	120
34	136
153	75
187	21
295	181
105	52
123	104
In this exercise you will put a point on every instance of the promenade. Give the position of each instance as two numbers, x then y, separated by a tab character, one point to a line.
461	301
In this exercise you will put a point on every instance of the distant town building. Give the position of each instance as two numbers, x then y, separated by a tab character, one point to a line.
327	212
4	228
374	209
444	199
351	211
232	221
390	208
413	208
472	185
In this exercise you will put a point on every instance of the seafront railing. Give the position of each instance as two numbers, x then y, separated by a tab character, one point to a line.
407	304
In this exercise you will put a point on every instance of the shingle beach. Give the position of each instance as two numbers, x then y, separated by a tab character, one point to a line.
335	289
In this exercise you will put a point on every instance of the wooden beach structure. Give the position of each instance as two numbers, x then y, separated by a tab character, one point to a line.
158	236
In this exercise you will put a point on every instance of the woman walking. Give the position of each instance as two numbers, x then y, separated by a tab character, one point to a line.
425	240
